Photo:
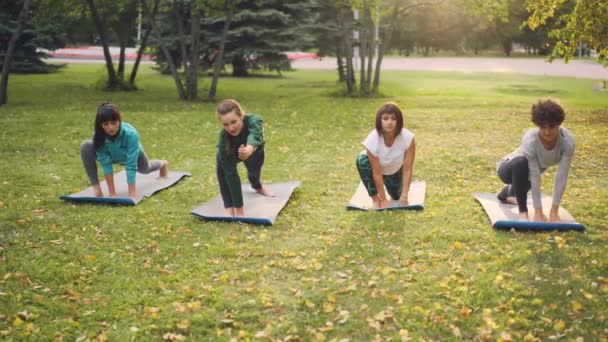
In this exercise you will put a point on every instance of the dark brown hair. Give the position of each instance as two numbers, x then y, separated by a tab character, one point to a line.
105	112
547	112
229	105
389	108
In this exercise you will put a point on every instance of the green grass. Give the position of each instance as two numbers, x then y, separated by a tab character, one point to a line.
153	271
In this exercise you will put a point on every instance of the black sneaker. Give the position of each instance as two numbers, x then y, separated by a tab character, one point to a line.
504	193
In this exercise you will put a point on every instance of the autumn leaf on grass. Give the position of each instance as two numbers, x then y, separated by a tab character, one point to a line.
465	312
559	325
330	304
576	306
559	241
504	337
72	295
343	317
194	306
458	245
173	337
151	312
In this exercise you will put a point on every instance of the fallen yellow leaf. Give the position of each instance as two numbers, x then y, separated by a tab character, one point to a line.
559	325
576	306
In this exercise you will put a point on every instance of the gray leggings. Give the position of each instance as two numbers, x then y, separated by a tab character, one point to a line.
89	161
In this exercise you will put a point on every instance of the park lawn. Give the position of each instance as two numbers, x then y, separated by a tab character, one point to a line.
154	272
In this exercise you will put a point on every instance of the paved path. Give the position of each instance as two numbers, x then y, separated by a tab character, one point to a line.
532	66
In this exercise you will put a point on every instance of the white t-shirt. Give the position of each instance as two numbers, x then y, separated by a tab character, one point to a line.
391	158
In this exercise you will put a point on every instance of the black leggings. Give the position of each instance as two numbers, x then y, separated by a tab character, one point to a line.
516	173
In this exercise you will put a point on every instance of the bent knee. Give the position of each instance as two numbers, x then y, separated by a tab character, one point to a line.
87	146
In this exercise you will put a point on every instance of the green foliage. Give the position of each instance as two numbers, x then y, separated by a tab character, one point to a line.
153	272
585	22
27	58
259	35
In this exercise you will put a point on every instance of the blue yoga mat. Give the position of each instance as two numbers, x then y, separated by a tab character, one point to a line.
505	216
147	185
259	209
362	201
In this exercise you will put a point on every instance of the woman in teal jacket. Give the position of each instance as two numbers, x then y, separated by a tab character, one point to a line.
115	141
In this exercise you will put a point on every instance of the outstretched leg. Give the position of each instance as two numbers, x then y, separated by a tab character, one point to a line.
146	166
254	172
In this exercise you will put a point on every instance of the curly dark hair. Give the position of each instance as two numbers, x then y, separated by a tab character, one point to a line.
546	113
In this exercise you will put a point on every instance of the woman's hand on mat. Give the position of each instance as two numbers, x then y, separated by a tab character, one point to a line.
132	191
245	151
381	204
404	201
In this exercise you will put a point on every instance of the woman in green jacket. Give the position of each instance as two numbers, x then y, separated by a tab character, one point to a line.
240	139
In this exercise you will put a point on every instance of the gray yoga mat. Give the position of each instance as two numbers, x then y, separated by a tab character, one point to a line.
259	209
362	201
146	186
505	216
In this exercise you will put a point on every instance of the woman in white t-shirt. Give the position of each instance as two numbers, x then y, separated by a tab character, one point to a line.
388	158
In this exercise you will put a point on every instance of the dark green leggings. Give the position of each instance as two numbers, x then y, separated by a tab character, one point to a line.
392	182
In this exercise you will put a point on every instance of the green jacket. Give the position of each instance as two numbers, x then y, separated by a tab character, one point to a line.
227	152
124	149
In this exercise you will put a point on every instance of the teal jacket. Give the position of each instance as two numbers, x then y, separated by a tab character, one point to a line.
124	149
227	152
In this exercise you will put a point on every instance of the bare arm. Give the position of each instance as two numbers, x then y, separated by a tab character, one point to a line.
408	170
110	182
378	179
132	190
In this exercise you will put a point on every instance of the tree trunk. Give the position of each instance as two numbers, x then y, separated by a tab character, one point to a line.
112	79
180	35
144	41
10	51
178	82
219	58
345	16
370	44
195	32
507	46
385	43
169	58
121	61
239	65
362	51
340	50
340	64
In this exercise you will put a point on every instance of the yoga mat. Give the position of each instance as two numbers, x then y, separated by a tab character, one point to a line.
146	186
362	201
505	216
259	209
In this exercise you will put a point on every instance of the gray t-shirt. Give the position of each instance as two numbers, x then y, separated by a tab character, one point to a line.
539	159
